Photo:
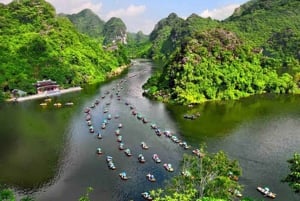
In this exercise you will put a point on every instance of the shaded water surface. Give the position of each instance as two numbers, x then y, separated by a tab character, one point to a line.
50	153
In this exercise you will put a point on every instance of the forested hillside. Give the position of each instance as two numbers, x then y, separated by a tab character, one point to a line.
87	22
256	50
37	44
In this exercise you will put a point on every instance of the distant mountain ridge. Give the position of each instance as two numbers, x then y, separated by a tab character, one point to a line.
87	22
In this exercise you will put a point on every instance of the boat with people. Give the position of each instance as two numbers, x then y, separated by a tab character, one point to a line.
141	158
128	152
111	165
43	104
120	125
119	138
145	120
156	158
184	145
69	104
123	176
167	133
175	139
99	136
91	129
57	104
158	132
144	145
121	146
87	110
168	167
103	125
117	132
266	192
109	117
99	150
151	177
88	117
198	153
89	122
139	116
109	158
153	126
146	196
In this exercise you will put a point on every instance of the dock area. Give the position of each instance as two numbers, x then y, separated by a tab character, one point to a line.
45	95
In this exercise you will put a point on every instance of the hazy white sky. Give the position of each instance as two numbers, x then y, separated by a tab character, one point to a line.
142	15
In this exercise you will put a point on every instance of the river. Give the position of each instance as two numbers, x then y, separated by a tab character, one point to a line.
50	154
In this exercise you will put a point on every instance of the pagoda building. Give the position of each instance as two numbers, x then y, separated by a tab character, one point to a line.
47	86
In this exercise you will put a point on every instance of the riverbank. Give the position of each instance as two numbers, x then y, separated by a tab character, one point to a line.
44	95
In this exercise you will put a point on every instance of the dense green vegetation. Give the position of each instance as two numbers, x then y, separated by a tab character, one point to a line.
203	178
114	30
87	22
293	178
256	50
37	44
138	45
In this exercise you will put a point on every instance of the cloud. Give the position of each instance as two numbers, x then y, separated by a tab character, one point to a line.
220	13
5	1
75	6
130	11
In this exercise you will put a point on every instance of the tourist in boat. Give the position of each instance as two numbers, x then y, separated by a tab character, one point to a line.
145	120
109	158
99	136
198	153
151	177
120	125
123	176
156	158
111	165
144	145
158	132
117	132
168	167
89	122
91	128
266	192
128	152
103	125
141	158
99	151
121	146
146	196
119	138
154	126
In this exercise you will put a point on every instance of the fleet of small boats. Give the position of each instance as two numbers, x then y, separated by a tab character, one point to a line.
108	120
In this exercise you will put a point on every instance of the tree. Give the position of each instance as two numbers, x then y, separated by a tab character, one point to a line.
208	176
7	195
293	178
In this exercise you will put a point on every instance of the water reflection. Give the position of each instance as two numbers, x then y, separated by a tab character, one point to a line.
57	152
